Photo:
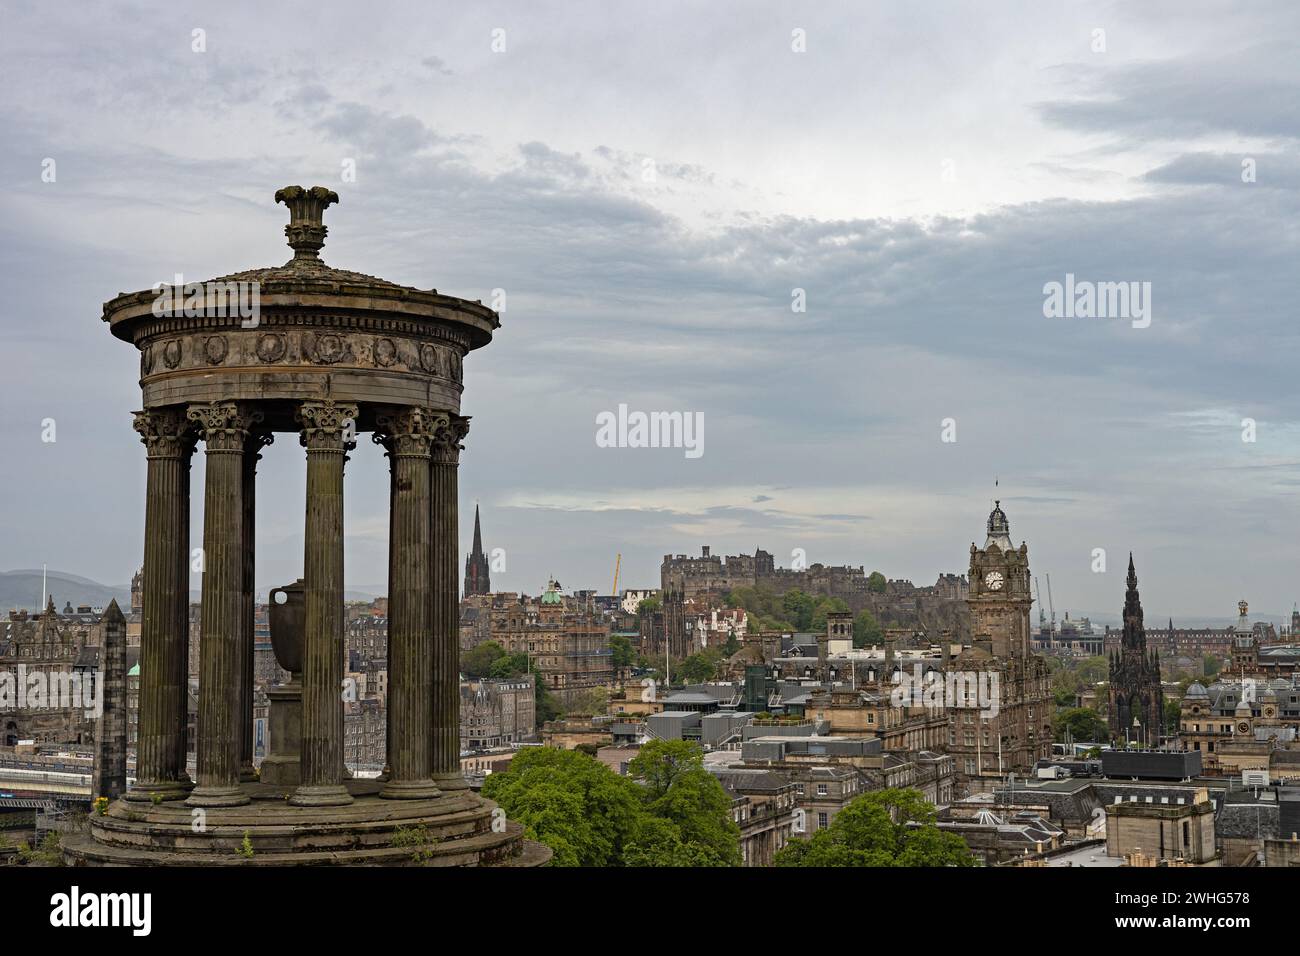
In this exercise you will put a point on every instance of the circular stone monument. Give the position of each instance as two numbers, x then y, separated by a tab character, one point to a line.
325	354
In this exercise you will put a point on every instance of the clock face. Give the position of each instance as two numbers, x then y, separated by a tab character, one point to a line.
993	580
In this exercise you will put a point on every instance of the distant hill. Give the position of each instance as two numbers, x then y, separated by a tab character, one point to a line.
22	589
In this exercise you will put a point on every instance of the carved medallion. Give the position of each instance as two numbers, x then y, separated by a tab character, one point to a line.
429	358
172	353
271	347
329	348
385	352
146	360
454	362
215	349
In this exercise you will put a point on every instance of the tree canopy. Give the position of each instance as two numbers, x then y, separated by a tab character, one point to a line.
893	827
672	812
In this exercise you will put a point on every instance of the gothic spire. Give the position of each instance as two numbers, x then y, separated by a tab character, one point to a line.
1134	633
478	534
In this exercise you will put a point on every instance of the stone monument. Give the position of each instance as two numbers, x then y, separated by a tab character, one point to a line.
323	354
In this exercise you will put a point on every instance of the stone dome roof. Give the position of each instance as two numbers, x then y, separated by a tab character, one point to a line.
1197	689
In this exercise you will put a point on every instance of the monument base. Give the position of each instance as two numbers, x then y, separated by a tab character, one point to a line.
459	829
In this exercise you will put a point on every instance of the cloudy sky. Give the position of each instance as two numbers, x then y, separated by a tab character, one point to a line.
649	183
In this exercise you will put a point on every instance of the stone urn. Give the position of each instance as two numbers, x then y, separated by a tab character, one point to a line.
287	617
288	611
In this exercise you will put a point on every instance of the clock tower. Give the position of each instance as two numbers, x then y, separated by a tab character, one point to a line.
1000	597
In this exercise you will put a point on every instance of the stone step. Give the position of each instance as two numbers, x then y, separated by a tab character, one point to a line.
484	849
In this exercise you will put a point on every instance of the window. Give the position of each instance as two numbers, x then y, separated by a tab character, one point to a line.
821	790
822	821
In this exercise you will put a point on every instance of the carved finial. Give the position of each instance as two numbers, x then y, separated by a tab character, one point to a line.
306	230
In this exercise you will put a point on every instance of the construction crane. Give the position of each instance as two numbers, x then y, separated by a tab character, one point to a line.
1050	606
1042	615
618	560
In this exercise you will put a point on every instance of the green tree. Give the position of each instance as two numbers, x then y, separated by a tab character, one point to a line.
866	629
678	815
1212	665
1083	723
798	608
477	661
678	789
876	582
577	806
893	827
621	648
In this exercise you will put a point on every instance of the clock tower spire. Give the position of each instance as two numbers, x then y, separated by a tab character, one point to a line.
1000	596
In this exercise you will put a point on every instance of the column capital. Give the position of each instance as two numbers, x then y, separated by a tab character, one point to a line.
409	432
447	442
224	426
327	425
165	432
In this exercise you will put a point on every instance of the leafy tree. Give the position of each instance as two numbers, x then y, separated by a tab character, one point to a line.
477	661
866	629
1083	723
699	668
678	789
575	805
1212	665
893	827
590	816
621	647
876	582
798	607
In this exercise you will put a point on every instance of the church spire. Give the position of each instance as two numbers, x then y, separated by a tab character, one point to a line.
477	580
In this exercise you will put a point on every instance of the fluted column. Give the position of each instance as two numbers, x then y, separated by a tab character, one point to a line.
164	637
248	613
328	429
224	428
408	435
445	606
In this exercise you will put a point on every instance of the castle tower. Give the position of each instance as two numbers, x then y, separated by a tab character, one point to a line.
476	565
1136	704
1000	595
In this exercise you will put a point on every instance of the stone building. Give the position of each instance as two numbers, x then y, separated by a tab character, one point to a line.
983	743
1163	831
764	808
51	648
564	638
497	713
1240	723
1136	704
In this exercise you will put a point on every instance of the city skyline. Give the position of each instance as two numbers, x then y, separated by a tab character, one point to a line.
923	264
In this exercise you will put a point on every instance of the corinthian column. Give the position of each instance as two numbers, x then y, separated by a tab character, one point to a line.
225	428
164	634
408	435
446	608
328	430
248	612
